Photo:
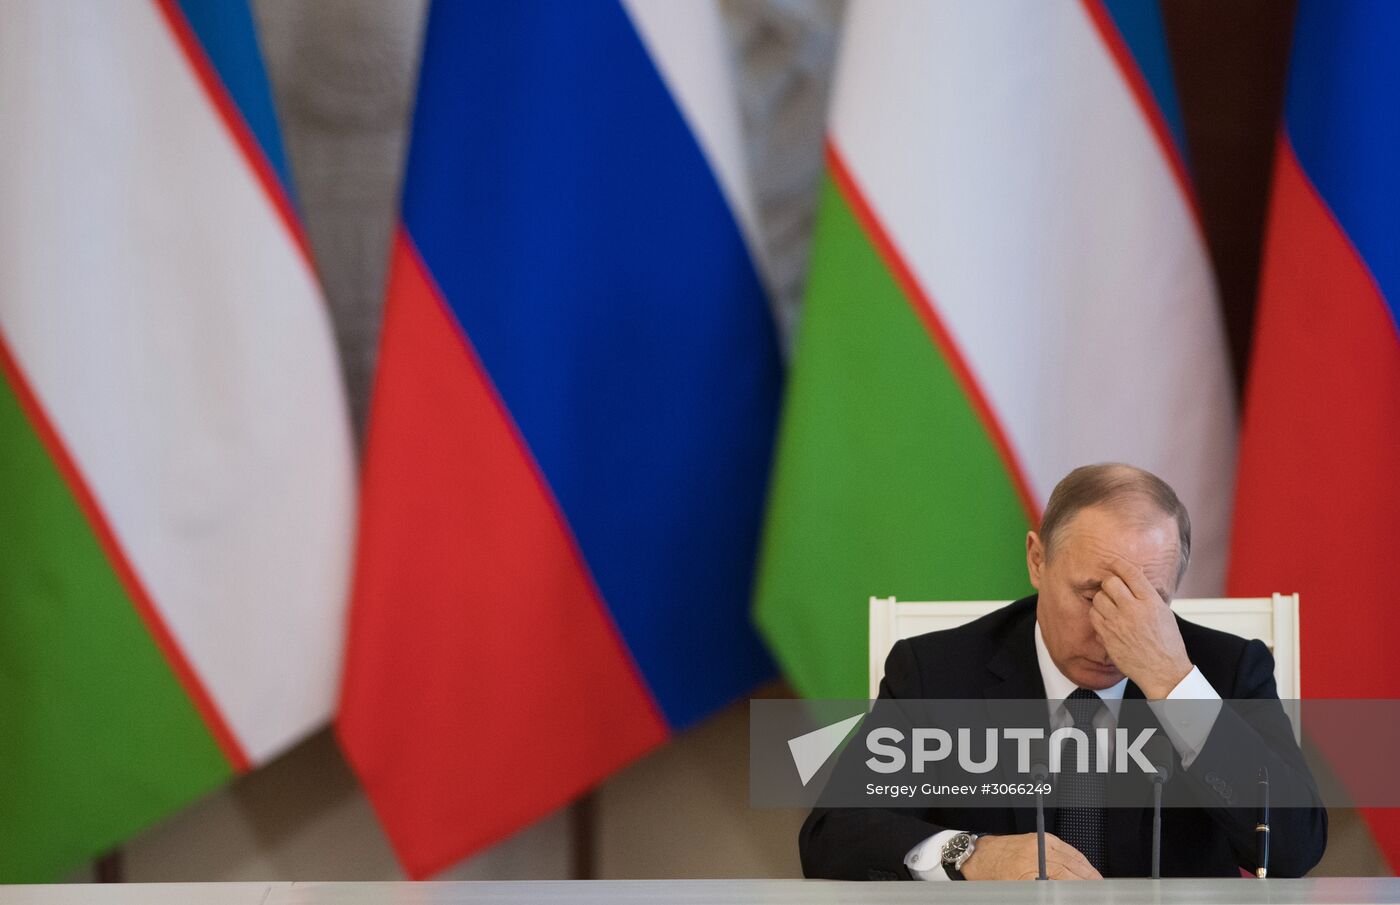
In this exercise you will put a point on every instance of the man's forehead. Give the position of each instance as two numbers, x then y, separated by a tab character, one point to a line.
1094	544
1135	534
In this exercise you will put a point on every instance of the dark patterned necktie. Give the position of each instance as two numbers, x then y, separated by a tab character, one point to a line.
1080	818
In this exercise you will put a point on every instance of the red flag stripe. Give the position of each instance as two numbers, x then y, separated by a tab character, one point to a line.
485	684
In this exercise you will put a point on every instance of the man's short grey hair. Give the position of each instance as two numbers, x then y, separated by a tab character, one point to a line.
1111	484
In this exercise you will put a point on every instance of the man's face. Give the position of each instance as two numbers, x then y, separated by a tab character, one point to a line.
1068	579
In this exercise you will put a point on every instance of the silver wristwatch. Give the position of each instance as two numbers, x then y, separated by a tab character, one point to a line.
956	851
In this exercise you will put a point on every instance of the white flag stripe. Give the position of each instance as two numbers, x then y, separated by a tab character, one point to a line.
687	45
1008	160
178	341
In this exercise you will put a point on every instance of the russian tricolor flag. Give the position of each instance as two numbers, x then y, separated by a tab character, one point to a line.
1318	498
571	425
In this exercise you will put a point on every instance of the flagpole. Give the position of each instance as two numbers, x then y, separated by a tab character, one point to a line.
110	868
582	824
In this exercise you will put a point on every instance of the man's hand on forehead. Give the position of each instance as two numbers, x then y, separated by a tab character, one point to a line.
1127	578
1138	630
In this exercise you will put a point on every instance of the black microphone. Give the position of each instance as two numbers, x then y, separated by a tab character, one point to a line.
1261	829
1159	751
1040	775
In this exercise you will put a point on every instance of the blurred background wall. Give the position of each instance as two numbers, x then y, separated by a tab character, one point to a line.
343	75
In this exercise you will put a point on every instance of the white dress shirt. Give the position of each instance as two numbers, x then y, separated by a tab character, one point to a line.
1186	727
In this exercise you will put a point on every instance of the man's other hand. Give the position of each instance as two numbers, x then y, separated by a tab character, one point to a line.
1014	858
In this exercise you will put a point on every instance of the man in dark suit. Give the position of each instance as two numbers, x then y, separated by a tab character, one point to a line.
1113	545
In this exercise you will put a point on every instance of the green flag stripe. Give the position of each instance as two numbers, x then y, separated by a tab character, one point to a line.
886	481
97	735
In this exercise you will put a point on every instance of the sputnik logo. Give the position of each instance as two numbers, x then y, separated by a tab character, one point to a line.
811	750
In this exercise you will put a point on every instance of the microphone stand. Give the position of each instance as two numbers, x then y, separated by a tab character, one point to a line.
1157	781
1161	757
1039	774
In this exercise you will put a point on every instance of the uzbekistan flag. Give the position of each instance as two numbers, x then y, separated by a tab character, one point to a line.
571	426
175	456
1318	498
1008	281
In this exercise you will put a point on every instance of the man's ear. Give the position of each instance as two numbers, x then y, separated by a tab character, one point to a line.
1035	558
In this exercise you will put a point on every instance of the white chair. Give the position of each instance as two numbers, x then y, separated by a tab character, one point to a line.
1273	620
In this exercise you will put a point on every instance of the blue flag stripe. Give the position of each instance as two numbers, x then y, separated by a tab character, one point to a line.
1343	119
1140	24
226	32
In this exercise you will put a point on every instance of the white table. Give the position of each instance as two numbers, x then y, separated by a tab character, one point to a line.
1356	891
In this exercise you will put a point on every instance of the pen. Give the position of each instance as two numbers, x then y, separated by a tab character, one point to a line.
1261	829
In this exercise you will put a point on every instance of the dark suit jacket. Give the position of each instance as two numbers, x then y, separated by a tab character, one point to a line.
994	657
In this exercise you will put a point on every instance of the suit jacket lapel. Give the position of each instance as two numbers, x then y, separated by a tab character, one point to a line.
1015	670
1014	674
1130	827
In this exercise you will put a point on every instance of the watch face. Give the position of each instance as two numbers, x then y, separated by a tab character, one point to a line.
956	847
